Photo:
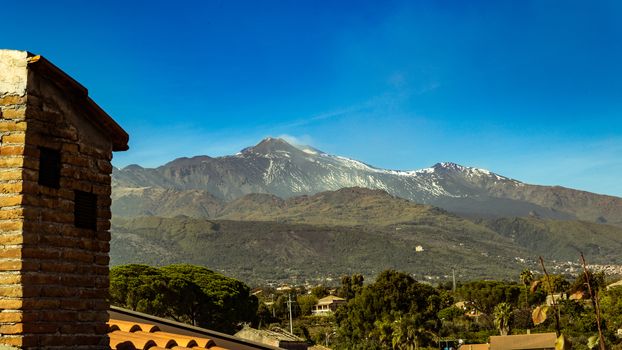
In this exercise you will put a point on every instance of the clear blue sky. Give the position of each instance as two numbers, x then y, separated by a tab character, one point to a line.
528	89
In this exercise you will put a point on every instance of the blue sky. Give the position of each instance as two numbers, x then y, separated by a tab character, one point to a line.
528	89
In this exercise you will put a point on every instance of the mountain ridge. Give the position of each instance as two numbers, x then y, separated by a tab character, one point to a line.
277	167
261	237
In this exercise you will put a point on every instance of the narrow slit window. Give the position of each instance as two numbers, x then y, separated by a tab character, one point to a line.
49	167
85	210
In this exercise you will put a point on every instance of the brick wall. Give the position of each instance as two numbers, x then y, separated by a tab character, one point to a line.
53	275
12	138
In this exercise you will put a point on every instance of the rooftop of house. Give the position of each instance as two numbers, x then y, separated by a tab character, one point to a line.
275	334
330	299
523	341
129	330
80	94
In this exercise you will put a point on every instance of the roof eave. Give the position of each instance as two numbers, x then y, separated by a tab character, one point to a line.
118	136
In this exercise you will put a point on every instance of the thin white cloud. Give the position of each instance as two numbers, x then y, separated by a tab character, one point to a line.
302	140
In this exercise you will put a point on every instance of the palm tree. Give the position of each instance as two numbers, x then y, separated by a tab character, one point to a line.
405	332
384	332
503	313
526	277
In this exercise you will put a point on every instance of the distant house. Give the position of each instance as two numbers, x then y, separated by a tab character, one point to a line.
557	297
284	288
327	305
276	337
536	341
469	311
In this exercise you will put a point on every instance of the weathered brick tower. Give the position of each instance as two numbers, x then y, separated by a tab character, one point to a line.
56	145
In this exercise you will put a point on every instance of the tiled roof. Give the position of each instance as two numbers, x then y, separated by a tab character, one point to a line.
126	335
134	330
330	299
80	94
275	333
523	341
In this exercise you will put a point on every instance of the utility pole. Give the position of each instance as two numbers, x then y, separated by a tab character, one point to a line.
273	313
453	275
291	324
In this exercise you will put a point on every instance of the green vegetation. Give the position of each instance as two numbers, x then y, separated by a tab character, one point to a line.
260	252
185	293
394	311
354	231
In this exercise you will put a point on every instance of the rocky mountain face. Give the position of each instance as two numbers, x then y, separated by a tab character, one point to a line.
204	187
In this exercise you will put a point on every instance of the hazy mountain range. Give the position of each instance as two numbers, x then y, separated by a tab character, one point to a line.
280	212
261	237
203	186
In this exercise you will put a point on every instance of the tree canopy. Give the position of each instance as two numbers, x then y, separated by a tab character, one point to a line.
394	307
185	293
485	295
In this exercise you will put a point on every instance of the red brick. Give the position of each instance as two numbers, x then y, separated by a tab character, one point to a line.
9	252
11	317
10	278
11	328
12	126
16	341
41	253
10	201
11	150
80	328
60	316
58	291
41	278
10	265
41	328
11	238
16	213
10	225
38	303
61	267
12	100
19	138
10	304
11	162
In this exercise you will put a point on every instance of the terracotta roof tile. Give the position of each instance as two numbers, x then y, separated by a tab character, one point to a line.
127	341
125	335
127	326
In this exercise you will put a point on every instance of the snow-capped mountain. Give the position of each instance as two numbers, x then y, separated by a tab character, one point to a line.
276	167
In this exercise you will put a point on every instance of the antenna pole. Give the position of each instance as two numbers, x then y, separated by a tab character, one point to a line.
291	325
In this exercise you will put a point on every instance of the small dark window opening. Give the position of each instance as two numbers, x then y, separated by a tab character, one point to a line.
85	210
49	167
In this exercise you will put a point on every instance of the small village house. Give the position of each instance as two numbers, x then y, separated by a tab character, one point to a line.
327	305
